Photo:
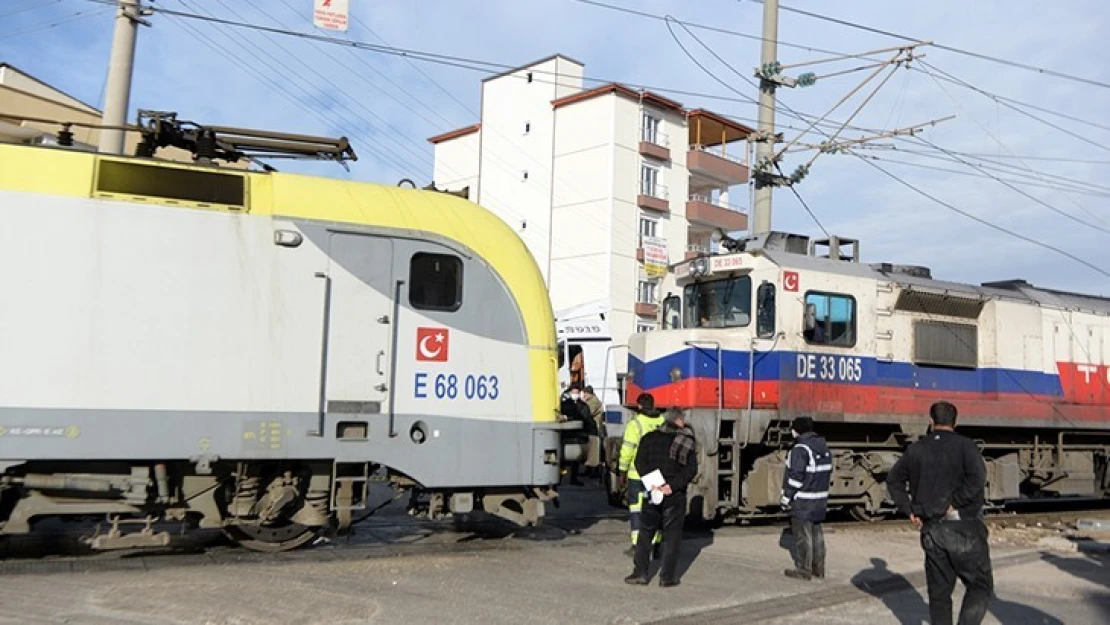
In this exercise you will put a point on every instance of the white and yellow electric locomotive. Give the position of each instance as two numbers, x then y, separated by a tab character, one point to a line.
243	349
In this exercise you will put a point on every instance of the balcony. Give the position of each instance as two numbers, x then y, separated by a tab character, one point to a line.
705	211
716	165
653	197
718	148
655	145
647	309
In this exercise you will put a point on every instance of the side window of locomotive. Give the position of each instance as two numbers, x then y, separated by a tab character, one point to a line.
830	319
435	282
672	312
765	311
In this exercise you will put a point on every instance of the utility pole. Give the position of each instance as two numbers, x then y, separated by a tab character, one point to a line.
117	95
765	147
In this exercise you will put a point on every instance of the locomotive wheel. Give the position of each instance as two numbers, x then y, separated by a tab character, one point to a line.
273	538
863	515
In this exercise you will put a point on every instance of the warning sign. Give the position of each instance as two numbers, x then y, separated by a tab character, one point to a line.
330	14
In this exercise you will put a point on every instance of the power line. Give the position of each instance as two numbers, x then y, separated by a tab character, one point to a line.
987	223
805	206
942	202
34	5
705	27
1059	183
1014	108
52	23
1014	188
978	55
947	77
972	174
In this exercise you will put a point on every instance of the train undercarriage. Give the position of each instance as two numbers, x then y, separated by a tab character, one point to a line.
267	506
740	476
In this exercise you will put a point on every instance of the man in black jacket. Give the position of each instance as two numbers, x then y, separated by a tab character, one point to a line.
805	493
940	483
672	451
574	408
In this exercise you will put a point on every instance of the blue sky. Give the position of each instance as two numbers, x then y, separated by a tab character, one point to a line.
220	75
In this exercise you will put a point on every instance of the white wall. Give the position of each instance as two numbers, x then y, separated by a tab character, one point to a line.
581	202
456	164
508	154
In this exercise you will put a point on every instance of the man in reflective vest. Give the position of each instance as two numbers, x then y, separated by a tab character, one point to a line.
646	420
805	493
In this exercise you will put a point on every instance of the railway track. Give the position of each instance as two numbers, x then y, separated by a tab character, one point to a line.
59	549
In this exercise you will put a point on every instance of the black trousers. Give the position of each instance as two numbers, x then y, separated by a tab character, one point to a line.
957	550
668	515
809	546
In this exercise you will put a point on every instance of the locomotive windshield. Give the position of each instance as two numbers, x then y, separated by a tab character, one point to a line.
718	304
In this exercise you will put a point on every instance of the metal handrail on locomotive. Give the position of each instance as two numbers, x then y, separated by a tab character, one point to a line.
778	326
249	350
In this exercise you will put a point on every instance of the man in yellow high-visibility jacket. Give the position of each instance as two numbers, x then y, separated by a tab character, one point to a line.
646	420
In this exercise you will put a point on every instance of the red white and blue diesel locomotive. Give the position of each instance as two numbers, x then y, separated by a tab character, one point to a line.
777	328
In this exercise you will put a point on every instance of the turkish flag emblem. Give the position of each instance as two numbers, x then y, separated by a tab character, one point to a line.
790	280
431	344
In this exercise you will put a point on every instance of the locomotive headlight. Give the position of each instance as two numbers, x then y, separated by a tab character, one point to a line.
699	267
676	374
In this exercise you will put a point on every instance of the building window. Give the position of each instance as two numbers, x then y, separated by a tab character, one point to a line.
646	293
435	282
529	76
650	130
525	175
649	227
644	327
527	127
830	319
649	180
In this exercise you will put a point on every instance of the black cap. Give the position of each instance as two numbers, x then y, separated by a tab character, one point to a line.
589	389
802	424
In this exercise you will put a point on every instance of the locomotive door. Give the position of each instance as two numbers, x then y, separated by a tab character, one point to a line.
360	321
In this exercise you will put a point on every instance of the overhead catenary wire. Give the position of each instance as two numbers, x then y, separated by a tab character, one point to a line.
947	48
988	223
948	205
51	23
1044	180
973	174
294	85
998	141
1070	133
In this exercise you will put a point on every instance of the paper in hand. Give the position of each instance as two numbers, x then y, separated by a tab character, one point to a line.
652	481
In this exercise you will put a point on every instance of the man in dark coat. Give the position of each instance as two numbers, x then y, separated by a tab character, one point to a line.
574	408
671	450
805	493
940	483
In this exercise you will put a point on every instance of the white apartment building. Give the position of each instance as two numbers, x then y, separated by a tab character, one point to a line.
606	186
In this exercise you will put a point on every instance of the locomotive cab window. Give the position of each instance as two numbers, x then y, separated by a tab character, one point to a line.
765	311
435	282
718	304
830	319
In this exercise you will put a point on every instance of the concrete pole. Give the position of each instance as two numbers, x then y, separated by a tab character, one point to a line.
764	150
117	95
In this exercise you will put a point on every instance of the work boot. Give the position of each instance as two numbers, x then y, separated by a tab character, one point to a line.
636	580
818	572
798	574
663	583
